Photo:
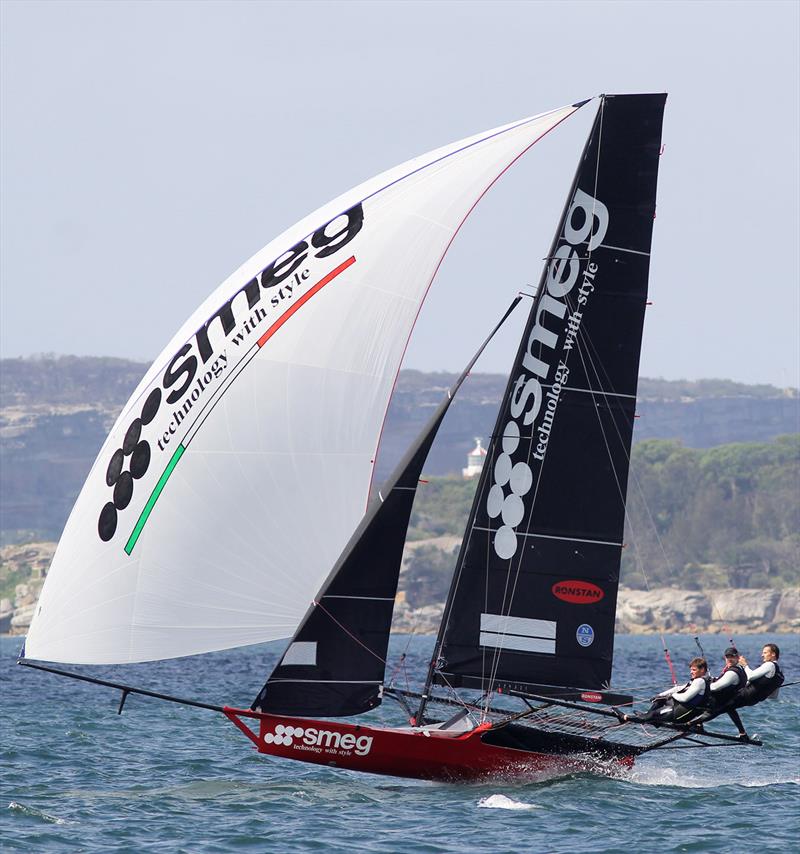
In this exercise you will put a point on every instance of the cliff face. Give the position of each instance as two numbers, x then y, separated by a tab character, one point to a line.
701	415
739	610
22	573
56	412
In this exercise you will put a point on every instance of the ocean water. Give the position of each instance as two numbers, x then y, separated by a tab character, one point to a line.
74	776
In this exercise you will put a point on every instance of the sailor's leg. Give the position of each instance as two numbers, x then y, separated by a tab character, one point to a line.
737	722
660	711
685	714
746	697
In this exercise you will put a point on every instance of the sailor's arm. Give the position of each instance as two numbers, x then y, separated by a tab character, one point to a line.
728	679
669	692
766	669
688	693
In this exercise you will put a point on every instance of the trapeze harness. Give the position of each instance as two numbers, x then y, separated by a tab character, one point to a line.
761	688
683	710
721	697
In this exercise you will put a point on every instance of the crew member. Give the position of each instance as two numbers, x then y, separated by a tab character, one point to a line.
762	683
765	681
678	704
732	679
726	686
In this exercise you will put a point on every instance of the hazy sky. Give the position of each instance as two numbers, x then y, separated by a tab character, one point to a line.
149	148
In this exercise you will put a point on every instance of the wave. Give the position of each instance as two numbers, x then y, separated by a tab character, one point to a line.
32	812
502	802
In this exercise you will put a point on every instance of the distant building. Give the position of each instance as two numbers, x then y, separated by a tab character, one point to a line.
475	460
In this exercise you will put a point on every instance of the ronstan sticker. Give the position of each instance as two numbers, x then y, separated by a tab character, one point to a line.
577	592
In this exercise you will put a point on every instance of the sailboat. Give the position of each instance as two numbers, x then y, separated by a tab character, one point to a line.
227	506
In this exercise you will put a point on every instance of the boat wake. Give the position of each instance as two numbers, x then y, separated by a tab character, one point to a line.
31	812
685	780
502	802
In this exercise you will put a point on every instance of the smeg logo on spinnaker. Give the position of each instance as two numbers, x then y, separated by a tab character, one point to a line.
201	361
577	592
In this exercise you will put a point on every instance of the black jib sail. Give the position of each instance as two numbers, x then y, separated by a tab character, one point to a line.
534	593
335	663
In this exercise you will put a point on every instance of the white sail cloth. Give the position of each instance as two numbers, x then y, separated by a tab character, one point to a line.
242	463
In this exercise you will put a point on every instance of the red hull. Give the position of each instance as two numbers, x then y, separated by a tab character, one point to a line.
402	752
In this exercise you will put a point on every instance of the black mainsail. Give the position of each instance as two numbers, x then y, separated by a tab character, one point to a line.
534	593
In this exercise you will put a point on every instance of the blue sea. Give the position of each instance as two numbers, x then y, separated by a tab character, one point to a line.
162	777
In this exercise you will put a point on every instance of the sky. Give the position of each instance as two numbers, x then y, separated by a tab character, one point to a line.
149	149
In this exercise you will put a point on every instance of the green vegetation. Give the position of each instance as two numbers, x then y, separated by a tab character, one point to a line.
721	517
441	507
11	576
427	576
727	516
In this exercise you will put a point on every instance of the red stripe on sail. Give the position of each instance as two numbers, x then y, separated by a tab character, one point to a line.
303	299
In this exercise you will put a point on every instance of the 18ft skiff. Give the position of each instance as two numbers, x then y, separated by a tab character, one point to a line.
227	504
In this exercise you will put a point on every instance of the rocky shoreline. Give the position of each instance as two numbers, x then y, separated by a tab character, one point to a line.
667	609
663	609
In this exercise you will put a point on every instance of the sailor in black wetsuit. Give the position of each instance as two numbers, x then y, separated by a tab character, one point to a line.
727	685
764	682
679	704
732	679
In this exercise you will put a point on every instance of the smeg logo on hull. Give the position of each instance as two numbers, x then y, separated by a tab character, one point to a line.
319	740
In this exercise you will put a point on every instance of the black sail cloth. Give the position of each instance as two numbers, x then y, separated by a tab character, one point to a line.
534	595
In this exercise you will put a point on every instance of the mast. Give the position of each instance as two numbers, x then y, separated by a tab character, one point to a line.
533	598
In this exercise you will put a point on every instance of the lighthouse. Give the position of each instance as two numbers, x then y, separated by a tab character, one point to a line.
475	459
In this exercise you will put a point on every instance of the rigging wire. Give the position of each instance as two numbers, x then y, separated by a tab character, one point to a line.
714	605
586	355
349	633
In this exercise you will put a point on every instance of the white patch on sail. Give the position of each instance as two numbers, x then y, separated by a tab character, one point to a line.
301	652
519	633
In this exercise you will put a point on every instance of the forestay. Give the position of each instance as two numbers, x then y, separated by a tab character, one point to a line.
241	465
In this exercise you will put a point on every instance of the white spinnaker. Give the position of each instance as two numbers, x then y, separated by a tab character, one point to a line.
235	497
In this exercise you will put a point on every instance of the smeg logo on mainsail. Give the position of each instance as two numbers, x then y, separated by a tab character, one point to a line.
586	222
189	374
